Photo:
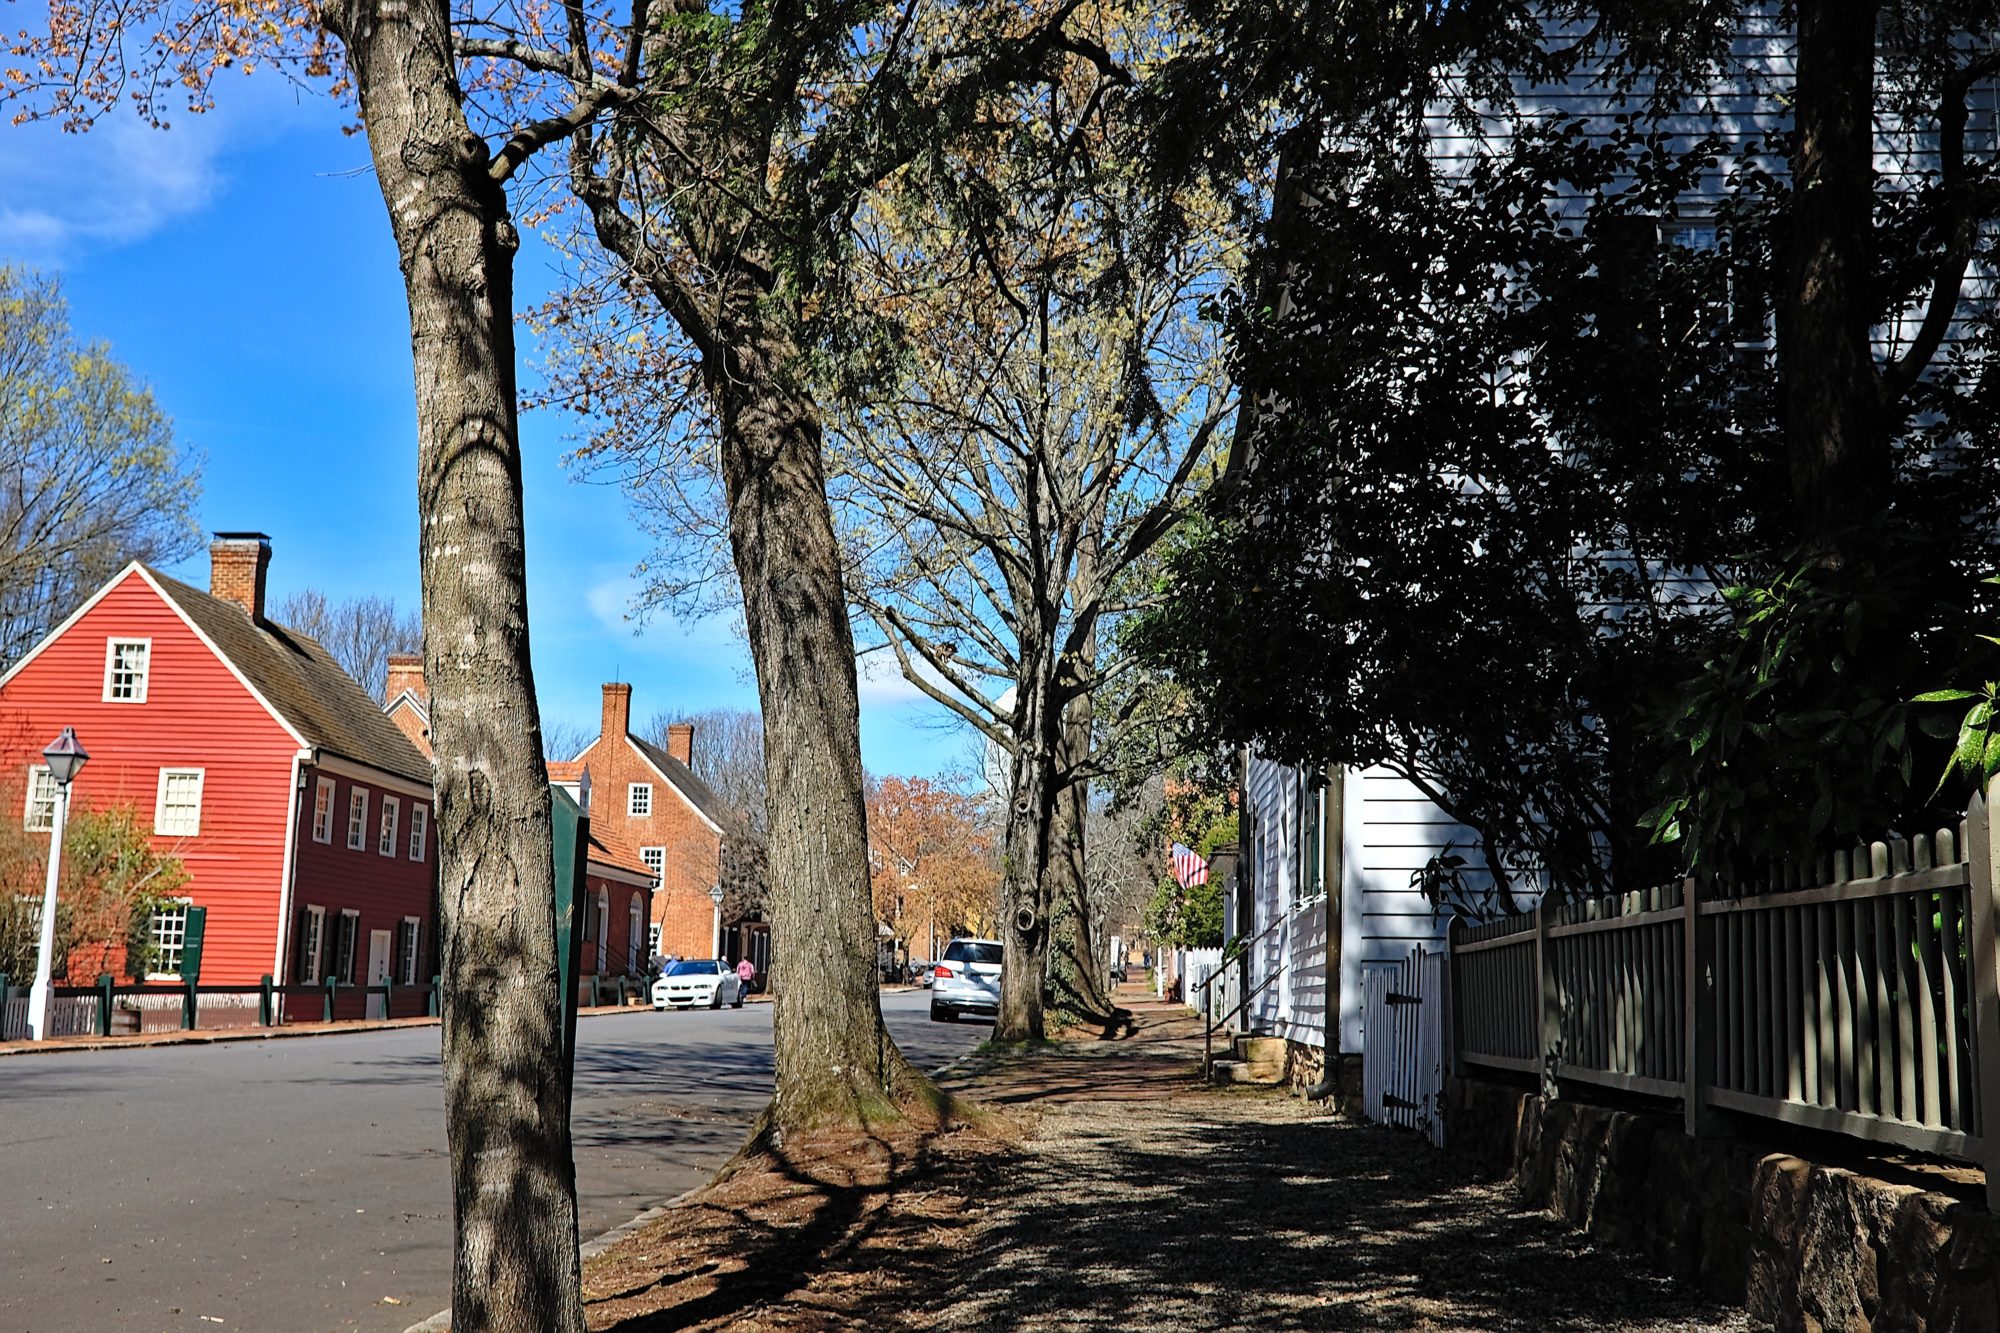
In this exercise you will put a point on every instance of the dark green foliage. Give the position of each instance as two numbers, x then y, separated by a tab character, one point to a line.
1518	431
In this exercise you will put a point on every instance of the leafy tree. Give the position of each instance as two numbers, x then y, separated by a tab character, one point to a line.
1534	422
111	882
90	473
360	632
931	861
445	189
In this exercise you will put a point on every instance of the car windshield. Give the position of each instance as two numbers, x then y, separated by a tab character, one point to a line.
693	967
972	951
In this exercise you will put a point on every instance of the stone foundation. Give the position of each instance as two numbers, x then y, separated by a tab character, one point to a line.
1304	1064
1813	1248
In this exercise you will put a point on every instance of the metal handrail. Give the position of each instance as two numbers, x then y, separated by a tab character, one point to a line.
1208	1034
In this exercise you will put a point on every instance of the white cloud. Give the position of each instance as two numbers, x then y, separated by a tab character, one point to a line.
122	181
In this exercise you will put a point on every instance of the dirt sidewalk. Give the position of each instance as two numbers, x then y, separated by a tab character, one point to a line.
1117	1193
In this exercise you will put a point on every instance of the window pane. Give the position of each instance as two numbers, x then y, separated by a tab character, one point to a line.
169	928
41	815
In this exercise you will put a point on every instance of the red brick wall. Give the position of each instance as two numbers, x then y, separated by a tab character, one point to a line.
693	847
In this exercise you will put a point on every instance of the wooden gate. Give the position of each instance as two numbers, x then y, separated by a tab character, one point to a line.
1402	1042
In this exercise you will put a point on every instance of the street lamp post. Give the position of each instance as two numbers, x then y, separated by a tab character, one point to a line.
65	759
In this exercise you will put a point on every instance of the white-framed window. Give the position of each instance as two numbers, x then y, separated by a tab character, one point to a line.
312	934
656	861
652	938
633	931
127	664
639	799
343	945
323	810
357	818
408	936
177	806
392	816
420	825
40	815
168	926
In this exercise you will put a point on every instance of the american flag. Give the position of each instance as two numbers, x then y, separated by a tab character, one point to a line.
1189	867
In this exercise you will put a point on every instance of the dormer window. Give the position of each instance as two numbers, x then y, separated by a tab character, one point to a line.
127	663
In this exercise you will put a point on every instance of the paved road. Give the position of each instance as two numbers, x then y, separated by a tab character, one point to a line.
294	1186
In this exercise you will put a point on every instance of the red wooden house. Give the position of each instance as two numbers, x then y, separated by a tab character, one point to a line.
301	812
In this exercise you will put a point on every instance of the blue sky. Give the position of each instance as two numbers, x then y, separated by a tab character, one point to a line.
240	263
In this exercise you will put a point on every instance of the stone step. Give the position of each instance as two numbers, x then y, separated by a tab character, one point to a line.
1241	1071
1259	1050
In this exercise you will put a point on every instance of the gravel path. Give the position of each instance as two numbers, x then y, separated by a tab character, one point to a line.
1244	1209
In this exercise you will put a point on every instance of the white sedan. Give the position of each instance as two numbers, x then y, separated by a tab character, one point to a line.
707	983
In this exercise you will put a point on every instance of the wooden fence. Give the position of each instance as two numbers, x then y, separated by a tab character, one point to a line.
1861	998
1403	1028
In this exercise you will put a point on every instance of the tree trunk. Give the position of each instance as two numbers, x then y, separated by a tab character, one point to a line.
506	1098
1838	451
1024	902
1076	976
836	1062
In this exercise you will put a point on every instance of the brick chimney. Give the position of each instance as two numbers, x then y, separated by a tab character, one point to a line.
237	563
617	720
406	672
680	742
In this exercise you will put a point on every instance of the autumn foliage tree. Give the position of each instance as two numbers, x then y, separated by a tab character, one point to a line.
930	859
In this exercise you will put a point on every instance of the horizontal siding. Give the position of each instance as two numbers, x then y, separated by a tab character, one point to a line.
381	889
196	715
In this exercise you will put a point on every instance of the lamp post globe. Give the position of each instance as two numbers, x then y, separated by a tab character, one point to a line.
65	757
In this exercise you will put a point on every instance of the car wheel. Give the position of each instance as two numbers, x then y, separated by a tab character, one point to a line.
741	991
715	998
940	1014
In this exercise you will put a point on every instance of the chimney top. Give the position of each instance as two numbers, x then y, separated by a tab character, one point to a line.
237	564
680	742
406	672
617	717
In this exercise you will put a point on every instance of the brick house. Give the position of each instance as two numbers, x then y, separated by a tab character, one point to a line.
618	885
649	798
302	815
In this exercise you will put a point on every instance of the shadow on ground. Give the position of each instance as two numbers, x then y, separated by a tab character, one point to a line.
1138	1200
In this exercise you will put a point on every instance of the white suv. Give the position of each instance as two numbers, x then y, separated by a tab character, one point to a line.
967	980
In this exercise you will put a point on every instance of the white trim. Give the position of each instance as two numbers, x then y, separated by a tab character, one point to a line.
200	777
389	827
353	944
28	806
416	949
220	656
357	830
316	914
633	791
183	903
332	790
686	800
73	617
408	696
420	831
281	965
374	777
660	875
143	680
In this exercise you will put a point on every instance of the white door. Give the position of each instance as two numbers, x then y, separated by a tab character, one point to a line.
378	971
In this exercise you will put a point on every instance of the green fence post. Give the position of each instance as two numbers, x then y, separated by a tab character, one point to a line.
388	997
264	1000
106	988
436	1004
326	1005
189	1003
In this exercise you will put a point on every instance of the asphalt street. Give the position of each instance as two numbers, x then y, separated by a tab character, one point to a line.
301	1185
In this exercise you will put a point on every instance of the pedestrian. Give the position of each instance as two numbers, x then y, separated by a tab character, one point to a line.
746	972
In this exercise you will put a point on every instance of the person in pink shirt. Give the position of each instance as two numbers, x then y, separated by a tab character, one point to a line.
747	972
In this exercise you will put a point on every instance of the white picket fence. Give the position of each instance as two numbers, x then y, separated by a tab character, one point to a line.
70	1017
1403	1043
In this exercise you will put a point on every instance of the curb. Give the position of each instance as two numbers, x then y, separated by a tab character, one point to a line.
63	1045
590	1249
